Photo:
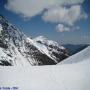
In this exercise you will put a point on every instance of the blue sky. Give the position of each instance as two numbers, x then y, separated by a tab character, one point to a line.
33	25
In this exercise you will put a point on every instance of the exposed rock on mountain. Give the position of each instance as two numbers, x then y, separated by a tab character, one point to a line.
17	49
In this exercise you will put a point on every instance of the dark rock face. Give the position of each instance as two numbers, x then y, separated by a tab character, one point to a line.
57	52
5	63
17	49
41	58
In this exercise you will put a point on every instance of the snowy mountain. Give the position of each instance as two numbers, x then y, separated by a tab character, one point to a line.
18	49
51	48
78	57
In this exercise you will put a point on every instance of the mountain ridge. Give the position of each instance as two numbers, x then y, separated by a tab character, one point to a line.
18	49
78	57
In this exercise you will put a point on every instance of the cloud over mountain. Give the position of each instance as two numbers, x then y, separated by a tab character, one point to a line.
29	8
66	12
64	15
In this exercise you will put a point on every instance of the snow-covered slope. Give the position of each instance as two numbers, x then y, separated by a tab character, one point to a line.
72	76
58	77
81	56
17	49
51	48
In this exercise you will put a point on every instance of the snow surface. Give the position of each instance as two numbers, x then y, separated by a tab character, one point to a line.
74	76
81	56
17	58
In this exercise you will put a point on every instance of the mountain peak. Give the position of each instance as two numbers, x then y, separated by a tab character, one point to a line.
44	40
41	38
18	49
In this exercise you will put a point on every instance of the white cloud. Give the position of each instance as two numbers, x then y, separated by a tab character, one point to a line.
30	8
53	11
64	15
62	28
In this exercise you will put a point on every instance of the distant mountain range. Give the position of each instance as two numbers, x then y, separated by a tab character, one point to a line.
73	49
82	56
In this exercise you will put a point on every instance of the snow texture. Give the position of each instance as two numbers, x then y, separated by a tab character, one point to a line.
78	57
74	76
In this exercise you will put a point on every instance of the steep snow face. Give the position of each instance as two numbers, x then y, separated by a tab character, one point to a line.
12	45
18	49
81	56
51	48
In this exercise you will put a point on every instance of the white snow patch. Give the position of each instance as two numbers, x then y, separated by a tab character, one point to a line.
81	56
58	77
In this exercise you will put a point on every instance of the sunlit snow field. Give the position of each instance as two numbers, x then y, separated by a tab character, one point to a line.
65	76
